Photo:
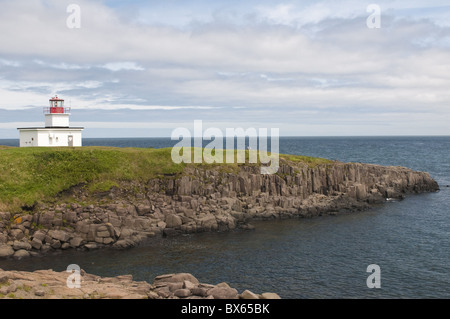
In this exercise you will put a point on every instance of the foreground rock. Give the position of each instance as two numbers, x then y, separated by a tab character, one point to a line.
201	200
48	284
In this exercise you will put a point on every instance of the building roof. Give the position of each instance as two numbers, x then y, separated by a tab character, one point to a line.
56	99
61	128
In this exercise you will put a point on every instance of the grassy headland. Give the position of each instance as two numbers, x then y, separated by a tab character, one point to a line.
30	175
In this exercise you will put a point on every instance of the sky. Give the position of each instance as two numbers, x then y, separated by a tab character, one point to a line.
309	68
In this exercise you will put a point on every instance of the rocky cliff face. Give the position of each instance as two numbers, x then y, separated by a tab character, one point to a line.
204	199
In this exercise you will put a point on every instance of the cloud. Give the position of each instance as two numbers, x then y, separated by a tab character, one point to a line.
119	66
231	60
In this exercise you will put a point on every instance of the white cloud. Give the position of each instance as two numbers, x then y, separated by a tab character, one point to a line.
290	57
62	65
118	66
10	63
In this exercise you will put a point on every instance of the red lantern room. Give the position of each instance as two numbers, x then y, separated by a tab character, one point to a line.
56	106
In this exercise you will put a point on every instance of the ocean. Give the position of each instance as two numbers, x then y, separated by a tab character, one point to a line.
321	257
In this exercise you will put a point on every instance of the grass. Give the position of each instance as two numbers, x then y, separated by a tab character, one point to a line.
30	175
310	161
33	174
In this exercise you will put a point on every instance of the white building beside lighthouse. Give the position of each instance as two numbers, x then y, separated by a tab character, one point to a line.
56	132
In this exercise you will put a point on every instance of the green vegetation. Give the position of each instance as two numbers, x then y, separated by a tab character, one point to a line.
33	174
30	175
310	161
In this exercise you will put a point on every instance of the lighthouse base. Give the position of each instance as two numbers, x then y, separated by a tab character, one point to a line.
50	137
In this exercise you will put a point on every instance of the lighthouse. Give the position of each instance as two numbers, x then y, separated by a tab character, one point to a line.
57	131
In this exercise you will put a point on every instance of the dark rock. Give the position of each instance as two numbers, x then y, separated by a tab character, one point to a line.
170	232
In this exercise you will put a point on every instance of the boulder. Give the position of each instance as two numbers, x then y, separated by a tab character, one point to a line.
18	245
173	221
103	234
55	244
223	293
59	235
161	224
3	238
143	209
39	235
127	232
17	234
121	244
208	223
76	242
182	293
39	292
200	291
91	246
247	294
270	295
21	253
82	226
36	243
108	240
189	285
6	251
180	277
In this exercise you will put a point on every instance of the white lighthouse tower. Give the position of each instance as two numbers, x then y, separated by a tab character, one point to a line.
56	132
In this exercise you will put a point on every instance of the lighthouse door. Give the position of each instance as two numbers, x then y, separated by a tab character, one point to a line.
70	140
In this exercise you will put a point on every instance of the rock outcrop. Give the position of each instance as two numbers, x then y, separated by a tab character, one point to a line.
203	199
49	284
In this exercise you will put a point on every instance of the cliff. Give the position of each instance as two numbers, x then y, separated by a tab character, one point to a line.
199	198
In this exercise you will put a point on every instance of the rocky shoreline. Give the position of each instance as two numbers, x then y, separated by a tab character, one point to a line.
49	284
201	200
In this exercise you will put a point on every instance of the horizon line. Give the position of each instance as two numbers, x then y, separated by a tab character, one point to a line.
281	136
